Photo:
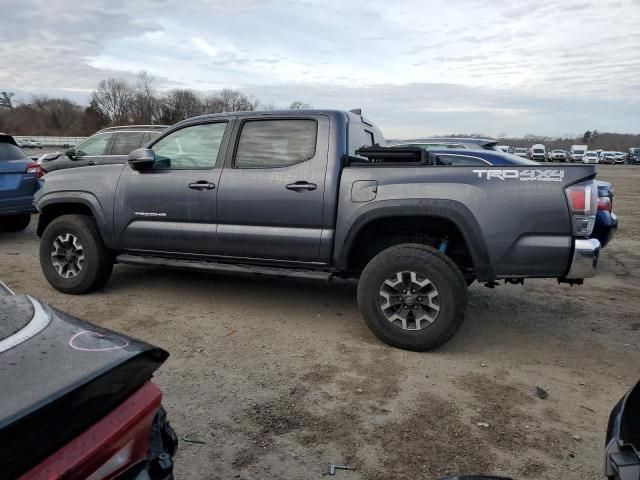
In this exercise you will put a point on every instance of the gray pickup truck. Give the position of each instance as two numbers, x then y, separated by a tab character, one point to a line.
310	194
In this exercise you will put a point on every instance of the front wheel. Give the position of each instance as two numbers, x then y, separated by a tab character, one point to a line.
412	297
15	223
73	256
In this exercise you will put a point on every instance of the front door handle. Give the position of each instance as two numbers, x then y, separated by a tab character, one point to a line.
301	186
202	185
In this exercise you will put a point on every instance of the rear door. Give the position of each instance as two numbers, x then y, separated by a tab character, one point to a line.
270	201
171	208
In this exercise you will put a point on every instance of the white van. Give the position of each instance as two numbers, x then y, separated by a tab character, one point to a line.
577	151
538	152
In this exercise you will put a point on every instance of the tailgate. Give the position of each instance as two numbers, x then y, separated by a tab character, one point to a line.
14	182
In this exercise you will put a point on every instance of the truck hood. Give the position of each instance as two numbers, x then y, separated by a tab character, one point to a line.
60	375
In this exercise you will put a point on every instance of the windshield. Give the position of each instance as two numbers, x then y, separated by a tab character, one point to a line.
520	150
635	151
538	150
591	154
579	152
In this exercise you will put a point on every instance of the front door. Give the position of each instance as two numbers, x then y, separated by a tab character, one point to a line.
171	208
270	202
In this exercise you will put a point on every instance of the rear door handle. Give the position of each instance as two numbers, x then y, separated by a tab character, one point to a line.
301	186
202	185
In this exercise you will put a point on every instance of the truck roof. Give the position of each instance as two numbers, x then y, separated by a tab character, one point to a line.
286	113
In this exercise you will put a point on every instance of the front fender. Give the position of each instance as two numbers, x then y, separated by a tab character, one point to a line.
45	200
450	210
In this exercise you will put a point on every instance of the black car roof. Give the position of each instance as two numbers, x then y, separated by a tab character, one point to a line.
6	138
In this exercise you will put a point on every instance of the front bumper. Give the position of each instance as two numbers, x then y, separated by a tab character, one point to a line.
585	258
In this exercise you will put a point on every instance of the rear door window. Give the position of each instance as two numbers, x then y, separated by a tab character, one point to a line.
276	143
125	142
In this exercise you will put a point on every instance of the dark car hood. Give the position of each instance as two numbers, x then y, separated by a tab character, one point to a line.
58	376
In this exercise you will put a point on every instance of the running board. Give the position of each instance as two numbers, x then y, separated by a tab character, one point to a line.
234	269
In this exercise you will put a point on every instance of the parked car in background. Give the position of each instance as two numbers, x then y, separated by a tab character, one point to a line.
18	182
447	142
557	155
590	156
607	157
77	402
606	221
29	143
576	152
520	152
633	157
538	153
504	148
620	157
108	146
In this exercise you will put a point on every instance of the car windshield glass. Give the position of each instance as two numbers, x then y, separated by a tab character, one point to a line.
538	150
578	151
8	151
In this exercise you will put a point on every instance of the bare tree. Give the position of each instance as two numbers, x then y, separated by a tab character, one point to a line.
229	100
114	97
145	105
6	100
299	105
179	104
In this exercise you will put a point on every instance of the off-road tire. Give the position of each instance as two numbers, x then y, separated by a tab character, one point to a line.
98	260
442	272
15	223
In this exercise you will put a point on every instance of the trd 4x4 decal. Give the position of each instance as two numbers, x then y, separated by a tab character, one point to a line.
527	175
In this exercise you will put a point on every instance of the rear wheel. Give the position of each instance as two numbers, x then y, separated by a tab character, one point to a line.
412	297
15	223
73	256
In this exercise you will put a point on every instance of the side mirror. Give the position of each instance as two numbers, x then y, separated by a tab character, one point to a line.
141	159
71	153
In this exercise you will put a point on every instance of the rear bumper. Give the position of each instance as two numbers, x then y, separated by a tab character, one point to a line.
585	258
16	205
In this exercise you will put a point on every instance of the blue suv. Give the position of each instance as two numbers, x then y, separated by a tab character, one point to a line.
18	182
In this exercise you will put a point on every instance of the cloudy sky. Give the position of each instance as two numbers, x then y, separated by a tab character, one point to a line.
414	67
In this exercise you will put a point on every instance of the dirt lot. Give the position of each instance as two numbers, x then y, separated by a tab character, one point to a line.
280	378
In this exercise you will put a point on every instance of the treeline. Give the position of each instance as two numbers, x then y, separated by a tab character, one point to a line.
119	102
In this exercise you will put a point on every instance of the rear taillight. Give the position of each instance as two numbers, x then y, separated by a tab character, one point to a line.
109	446
604	203
583	204
35	168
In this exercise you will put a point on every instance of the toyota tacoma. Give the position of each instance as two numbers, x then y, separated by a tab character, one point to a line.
312	194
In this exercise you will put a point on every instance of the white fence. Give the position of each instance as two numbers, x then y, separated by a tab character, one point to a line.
46	141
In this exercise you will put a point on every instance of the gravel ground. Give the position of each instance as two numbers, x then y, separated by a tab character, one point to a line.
280	378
